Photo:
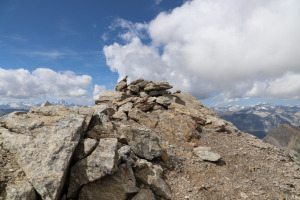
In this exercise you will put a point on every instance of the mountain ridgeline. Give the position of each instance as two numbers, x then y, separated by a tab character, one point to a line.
285	136
261	118
138	142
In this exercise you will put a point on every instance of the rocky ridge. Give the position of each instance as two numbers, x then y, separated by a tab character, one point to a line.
138	142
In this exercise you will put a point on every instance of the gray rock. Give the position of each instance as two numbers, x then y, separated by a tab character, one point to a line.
205	154
113	187
120	115
144	194
121	85
110	96
44	154
142	100
85	148
47	103
145	106
20	191
143	84
150	175
145	143
126	107
134	88
156	93
143	94
165	100
151	99
100	163
129	99
135	82
157	86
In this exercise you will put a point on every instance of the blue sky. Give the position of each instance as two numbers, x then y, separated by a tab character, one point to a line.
240	52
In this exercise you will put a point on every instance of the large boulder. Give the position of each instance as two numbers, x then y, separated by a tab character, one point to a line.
100	163
151	175
145	143
44	143
117	186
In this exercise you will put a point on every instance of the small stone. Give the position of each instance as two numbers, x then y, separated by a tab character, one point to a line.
205	154
121	85
157	86
120	115
244	195
143	94
135	82
133	88
145	106
126	107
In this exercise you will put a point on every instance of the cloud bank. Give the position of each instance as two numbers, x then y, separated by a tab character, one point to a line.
43	83
233	48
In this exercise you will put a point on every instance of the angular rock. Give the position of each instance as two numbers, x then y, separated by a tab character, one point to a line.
176	125
157	86
156	93
135	82
126	107
120	115
110	96
20	191
142	99
143	118
205	153
144	194
45	153
145	143
143	94
134	88
129	99
165	100
85	148
143	84
150	175
113	187
100	163
145	106
125	155
121	85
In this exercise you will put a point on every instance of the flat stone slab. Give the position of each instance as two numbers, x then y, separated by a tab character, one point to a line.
205	153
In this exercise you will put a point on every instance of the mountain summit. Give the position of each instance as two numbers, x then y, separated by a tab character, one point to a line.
138	142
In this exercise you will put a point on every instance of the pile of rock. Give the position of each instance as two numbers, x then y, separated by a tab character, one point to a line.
140	94
139	142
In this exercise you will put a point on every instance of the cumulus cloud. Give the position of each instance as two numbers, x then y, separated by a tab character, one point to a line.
130	29
43	83
239	48
98	89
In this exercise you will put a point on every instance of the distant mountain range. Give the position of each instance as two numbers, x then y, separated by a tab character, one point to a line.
6	108
261	118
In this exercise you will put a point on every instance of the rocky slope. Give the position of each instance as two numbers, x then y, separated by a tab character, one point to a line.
285	136
138	142
260	119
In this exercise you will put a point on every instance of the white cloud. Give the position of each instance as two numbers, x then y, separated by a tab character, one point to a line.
97	90
238	47
43	83
130	29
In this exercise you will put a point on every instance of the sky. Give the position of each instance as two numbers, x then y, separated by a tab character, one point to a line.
233	52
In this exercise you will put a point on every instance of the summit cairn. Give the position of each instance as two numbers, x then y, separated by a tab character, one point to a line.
140	141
